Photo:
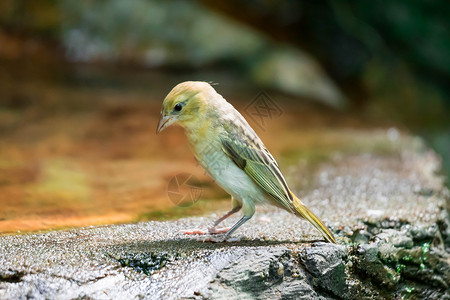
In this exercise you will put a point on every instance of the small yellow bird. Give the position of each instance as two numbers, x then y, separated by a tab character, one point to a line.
232	153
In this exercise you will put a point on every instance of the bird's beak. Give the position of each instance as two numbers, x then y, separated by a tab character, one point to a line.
164	122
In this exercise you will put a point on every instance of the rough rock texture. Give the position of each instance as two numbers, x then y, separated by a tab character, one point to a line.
387	210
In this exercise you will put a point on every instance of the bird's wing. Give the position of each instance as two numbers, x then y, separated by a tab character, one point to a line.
248	152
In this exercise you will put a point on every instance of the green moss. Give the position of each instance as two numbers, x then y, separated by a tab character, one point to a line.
400	268
407	292
406	258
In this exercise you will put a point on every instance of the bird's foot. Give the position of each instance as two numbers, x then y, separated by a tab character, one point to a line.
215	230
195	231
204	232
212	235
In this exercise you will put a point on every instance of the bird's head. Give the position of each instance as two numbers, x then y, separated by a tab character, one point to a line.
185	104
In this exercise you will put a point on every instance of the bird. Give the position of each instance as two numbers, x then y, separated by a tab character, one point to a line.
232	153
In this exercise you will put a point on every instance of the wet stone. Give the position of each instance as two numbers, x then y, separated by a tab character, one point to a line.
327	265
146	263
423	234
393	243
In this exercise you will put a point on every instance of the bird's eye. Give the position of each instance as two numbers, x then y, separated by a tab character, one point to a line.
178	107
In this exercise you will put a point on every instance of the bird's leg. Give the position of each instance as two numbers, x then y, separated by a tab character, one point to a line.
249	211
236	226
236	207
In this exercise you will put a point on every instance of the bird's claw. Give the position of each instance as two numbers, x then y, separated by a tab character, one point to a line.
215	230
212	230
194	231
212	235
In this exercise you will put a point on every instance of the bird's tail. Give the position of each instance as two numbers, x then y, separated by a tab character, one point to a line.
304	212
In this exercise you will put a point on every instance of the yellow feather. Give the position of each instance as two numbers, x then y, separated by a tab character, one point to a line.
304	212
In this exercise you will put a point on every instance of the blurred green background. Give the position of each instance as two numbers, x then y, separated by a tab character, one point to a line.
382	61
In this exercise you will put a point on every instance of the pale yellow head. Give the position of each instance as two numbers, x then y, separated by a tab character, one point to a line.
185	104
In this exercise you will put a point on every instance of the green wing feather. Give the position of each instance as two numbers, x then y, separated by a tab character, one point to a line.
248	153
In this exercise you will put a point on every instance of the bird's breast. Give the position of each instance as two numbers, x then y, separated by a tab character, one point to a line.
226	173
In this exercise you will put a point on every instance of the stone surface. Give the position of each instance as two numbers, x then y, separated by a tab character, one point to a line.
387	211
